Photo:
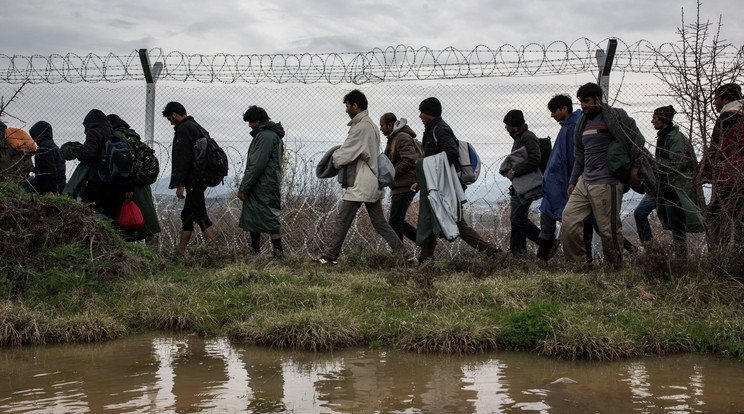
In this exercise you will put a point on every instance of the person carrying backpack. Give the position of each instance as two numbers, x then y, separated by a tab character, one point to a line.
108	183
49	171
142	192
184	177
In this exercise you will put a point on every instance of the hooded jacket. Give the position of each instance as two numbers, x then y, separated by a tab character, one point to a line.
361	145
262	180
97	130
523	137
50	165
401	150
558	169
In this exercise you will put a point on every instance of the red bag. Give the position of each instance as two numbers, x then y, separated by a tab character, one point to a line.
130	216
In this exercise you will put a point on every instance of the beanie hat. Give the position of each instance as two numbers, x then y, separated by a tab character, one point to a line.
431	106
514	118
665	113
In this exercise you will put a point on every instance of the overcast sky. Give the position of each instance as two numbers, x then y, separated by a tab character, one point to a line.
296	26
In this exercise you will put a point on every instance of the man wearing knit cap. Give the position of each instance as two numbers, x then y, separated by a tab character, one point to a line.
438	137
521	226
676	202
721	165
595	185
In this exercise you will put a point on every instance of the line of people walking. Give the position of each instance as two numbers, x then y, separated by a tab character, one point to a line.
598	155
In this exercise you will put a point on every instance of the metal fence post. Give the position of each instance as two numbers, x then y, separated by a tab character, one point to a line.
151	76
604	61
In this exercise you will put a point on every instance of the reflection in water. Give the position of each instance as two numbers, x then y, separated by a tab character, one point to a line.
191	374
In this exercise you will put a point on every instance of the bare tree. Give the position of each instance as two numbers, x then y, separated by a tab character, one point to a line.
701	62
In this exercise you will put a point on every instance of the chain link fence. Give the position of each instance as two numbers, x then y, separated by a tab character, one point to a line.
314	118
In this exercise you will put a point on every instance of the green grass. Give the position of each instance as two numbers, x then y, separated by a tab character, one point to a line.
97	287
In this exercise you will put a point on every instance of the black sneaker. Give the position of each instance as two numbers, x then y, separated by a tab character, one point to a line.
325	260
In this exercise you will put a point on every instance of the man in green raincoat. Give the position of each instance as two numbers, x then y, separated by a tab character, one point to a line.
260	189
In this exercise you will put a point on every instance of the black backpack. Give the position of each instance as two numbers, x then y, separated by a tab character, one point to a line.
146	164
210	161
545	148
117	162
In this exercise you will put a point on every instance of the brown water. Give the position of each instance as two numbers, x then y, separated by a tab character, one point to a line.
184	374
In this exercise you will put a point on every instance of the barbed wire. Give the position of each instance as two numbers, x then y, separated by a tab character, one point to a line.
394	63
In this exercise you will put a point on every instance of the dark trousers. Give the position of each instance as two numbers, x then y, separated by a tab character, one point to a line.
195	210
522	228
467	234
399	204
641	213
725	216
107	197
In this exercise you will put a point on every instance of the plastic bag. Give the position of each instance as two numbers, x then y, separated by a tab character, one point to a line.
130	216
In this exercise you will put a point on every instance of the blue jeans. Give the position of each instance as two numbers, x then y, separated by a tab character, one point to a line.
399	204
522	228
641	213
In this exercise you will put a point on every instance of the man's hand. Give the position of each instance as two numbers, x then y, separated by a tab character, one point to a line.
415	187
129	195
179	191
633	180
241	196
570	189
510	175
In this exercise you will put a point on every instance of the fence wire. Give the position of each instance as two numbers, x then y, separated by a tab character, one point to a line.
311	110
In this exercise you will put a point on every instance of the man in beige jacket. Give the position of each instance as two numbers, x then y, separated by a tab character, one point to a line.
361	146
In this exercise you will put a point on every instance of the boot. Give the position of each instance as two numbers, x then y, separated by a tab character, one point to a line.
543	249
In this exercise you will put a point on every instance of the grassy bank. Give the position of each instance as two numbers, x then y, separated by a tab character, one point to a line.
97	288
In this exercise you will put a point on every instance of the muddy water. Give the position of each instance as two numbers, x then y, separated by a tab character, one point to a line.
183	374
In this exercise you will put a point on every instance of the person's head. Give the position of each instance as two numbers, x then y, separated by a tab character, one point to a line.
116	121
174	112
387	122
355	102
725	94
662	117
255	115
590	97
513	120
560	107
430	109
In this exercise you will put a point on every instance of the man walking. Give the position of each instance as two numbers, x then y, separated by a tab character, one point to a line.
438	138
361	148
260	189
521	226
594	186
556	176
403	152
722	165
183	176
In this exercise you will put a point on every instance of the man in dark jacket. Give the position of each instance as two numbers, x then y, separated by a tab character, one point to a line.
49	170
521	226
108	197
183	176
722	164
438	137
260	188
402	151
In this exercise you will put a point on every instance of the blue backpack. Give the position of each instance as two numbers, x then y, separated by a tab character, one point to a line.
117	162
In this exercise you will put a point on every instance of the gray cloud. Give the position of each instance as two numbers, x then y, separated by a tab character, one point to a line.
243	27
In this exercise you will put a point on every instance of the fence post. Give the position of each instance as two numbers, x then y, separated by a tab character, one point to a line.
151	76
604	61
